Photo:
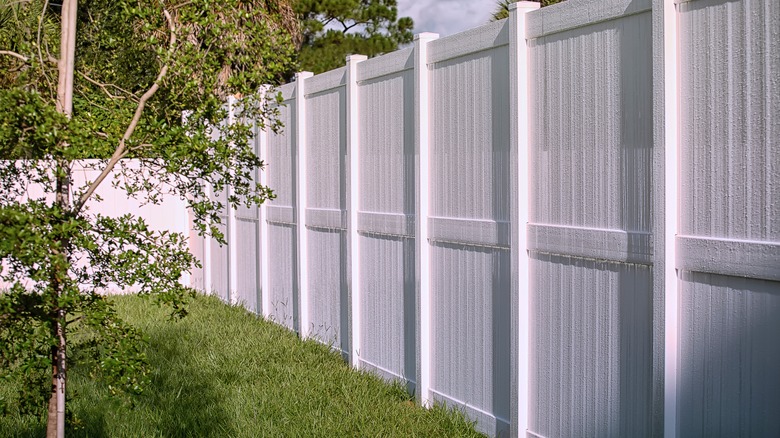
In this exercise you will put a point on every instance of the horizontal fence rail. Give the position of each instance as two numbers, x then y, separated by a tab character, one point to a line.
566	223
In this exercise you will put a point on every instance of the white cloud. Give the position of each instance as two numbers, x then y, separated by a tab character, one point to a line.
446	17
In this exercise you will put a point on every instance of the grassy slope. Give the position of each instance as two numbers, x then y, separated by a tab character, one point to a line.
222	372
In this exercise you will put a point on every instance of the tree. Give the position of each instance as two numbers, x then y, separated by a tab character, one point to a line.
117	91
502	7
333	29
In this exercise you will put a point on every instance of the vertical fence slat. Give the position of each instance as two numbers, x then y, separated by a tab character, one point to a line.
353	189
519	157
300	203
422	246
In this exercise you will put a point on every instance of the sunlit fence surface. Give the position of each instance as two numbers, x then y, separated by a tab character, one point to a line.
566	223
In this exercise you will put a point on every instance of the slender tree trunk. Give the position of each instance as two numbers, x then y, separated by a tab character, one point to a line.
56	419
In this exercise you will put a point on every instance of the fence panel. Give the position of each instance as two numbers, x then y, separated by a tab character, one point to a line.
219	254
590	229
462	255
386	215
247	253
197	245
729	218
469	224
283	299
326	215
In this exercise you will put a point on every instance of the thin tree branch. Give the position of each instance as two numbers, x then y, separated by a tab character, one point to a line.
181	5
121	150
77	319
357	23
49	56
16	3
92	102
15	55
105	89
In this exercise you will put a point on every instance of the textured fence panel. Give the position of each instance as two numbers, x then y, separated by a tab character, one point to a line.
728	382
591	283
590	374
386	215
729	218
283	287
219	256
247	240
198	249
469	224
326	208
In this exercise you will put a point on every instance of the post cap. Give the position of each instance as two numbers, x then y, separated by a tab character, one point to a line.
426	36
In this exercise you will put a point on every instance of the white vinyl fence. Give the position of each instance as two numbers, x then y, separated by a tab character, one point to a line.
566	223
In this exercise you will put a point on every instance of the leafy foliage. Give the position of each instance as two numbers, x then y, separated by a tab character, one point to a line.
139	66
333	29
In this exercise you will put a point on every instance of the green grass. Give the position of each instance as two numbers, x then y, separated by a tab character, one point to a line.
222	372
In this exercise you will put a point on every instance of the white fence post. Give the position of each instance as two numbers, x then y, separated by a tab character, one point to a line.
232	268
300	203
262	151
353	189
519	119
422	248
665	178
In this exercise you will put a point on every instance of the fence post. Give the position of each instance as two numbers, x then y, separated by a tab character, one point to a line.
520	115
262	151
665	185
300	203
422	248
353	196
231	237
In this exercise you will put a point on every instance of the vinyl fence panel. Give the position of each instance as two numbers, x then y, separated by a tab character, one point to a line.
220	261
729	218
386	215
326	209
246	223
590	228
469	223
282	239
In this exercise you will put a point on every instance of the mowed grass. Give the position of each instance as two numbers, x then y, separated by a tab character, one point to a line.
223	372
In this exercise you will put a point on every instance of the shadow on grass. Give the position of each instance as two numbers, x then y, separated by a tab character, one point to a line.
182	399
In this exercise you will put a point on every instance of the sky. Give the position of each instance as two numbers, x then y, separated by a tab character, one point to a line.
446	17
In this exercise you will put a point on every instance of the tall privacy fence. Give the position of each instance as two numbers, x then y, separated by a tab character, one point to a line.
566	223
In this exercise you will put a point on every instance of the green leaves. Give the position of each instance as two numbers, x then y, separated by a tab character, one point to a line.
59	258
333	29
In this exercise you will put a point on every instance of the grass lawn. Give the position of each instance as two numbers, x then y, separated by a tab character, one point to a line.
222	372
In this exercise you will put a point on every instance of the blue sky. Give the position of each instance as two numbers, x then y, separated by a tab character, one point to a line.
446	17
